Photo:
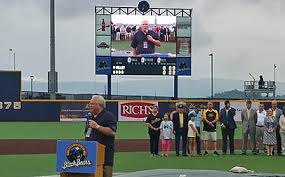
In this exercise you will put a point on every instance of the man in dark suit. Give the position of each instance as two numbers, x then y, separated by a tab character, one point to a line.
180	126
228	125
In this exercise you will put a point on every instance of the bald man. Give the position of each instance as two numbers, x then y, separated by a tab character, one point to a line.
144	40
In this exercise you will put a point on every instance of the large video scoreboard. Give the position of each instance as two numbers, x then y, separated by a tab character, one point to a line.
142	40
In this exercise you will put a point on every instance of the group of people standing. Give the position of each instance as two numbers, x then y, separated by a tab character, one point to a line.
263	127
126	32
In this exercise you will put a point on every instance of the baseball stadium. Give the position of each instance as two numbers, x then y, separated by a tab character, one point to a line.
47	134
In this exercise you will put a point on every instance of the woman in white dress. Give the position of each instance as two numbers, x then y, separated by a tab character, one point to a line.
192	132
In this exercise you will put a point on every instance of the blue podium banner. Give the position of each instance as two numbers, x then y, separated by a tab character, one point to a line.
76	156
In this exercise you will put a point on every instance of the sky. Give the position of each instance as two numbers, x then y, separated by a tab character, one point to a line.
244	36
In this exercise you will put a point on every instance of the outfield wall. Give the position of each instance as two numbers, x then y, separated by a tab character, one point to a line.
125	110
13	108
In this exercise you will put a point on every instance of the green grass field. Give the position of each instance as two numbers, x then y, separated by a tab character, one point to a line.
166	47
73	130
44	164
35	165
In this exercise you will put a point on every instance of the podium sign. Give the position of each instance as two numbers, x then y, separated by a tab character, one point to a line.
76	156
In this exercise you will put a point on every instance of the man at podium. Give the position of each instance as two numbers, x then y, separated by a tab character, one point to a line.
101	127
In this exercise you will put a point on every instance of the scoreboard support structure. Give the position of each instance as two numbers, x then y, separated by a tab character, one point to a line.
109	93
175	90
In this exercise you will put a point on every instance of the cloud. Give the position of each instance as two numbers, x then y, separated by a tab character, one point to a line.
245	36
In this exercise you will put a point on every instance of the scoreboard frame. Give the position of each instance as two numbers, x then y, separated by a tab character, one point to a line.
106	64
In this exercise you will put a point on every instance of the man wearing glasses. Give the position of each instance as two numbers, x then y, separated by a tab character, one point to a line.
102	128
144	40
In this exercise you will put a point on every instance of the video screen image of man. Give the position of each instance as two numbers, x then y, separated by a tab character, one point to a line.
144	40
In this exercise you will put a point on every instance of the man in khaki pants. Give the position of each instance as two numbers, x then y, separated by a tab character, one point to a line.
260	116
248	118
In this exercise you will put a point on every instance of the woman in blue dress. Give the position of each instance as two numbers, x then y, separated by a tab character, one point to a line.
269	137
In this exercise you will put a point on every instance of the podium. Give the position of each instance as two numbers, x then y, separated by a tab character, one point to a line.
80	158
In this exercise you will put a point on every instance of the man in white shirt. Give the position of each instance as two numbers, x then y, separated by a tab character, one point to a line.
260	116
277	114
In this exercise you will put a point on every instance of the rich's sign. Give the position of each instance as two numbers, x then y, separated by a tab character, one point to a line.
134	111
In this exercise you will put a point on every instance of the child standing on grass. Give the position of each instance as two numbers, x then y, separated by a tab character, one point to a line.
166	129
192	132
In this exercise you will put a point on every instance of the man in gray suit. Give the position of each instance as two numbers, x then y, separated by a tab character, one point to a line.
248	118
277	114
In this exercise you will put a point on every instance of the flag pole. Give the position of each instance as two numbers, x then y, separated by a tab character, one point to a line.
274	71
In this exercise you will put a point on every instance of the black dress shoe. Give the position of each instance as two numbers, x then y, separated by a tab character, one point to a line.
243	153
177	154
185	155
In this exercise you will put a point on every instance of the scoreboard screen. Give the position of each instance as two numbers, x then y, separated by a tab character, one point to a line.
142	44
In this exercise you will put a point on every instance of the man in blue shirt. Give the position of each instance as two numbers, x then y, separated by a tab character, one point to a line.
197	113
144	40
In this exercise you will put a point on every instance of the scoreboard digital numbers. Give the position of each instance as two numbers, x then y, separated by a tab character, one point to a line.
145	43
144	65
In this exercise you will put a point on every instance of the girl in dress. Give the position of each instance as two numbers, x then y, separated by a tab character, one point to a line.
269	137
166	133
192	132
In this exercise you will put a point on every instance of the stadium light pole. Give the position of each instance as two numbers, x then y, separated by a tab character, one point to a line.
14	57
32	78
212	75
52	74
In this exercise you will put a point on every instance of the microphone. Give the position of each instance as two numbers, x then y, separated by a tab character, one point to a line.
89	130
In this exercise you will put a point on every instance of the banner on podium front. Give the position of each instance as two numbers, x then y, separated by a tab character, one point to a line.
76	156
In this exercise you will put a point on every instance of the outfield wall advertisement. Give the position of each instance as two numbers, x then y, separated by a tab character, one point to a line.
73	111
134	111
78	111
